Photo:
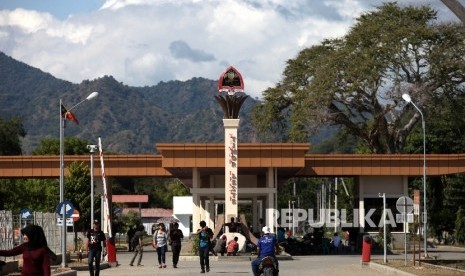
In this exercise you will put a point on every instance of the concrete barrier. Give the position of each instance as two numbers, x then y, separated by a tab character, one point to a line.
64	272
10	267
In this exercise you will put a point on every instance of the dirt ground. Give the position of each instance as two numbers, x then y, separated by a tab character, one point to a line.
427	270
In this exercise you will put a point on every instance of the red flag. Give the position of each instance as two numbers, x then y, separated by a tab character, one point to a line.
68	115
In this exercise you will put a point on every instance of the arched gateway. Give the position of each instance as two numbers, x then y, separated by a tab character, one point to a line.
261	168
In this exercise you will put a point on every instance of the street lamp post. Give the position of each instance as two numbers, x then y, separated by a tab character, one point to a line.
383	195
62	172
407	98
92	149
293	219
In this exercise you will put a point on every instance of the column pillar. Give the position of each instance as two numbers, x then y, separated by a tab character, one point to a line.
211	212
195	200
203	212
230	168
255	214
270	199
361	204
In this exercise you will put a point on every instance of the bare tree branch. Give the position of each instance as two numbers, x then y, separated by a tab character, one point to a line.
456	8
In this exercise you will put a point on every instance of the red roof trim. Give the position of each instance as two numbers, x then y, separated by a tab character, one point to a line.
130	198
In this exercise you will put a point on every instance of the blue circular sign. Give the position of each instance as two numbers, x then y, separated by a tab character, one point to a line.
68	207
25	214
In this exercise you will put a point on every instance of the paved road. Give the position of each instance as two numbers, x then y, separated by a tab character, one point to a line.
347	265
327	265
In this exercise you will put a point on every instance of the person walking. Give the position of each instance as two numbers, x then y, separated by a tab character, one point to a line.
205	234
138	245
96	241
160	242
36	254
175	237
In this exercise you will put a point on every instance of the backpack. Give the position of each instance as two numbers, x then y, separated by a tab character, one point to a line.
207	238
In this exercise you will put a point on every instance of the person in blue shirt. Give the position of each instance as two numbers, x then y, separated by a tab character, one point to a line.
205	235
267	245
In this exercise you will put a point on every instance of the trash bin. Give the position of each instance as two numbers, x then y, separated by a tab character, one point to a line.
366	249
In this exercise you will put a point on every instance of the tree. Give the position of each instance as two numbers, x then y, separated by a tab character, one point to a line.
460	226
356	82
130	220
77	191
445	124
72	146
162	193
36	194
11	132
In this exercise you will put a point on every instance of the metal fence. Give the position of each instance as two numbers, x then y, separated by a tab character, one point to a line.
10	225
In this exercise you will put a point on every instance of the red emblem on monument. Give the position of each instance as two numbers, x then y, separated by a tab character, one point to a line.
231	81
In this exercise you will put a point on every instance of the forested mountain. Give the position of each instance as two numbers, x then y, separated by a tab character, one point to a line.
129	119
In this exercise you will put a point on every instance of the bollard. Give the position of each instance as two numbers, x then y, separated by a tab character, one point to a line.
366	249
111	251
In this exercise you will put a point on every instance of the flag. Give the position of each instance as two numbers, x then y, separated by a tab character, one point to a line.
68	115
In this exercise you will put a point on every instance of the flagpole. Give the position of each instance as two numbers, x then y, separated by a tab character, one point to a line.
62	187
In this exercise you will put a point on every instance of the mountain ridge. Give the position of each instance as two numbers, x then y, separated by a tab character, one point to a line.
130	120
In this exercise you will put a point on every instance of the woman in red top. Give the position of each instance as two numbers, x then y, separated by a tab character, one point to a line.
36	257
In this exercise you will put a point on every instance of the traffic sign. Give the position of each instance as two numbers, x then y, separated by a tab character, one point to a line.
75	216
404	204
416	202
69	208
69	222
404	218
25	214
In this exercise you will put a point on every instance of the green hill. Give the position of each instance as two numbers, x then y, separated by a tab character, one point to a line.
129	119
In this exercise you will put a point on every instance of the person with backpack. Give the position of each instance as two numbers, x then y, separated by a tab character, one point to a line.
160	242
138	245
205	234
95	240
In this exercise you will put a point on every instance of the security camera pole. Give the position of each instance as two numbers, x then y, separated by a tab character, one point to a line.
92	149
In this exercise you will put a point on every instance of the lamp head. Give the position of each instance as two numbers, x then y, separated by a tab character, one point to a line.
92	95
406	97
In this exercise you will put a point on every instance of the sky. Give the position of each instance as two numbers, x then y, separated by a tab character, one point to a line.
144	42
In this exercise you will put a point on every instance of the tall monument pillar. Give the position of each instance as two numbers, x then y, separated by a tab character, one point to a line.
231	96
230	168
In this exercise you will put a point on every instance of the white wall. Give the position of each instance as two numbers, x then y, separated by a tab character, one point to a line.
182	210
184	222
182	205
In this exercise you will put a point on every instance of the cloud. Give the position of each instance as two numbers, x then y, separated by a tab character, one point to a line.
26	21
180	49
143	42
